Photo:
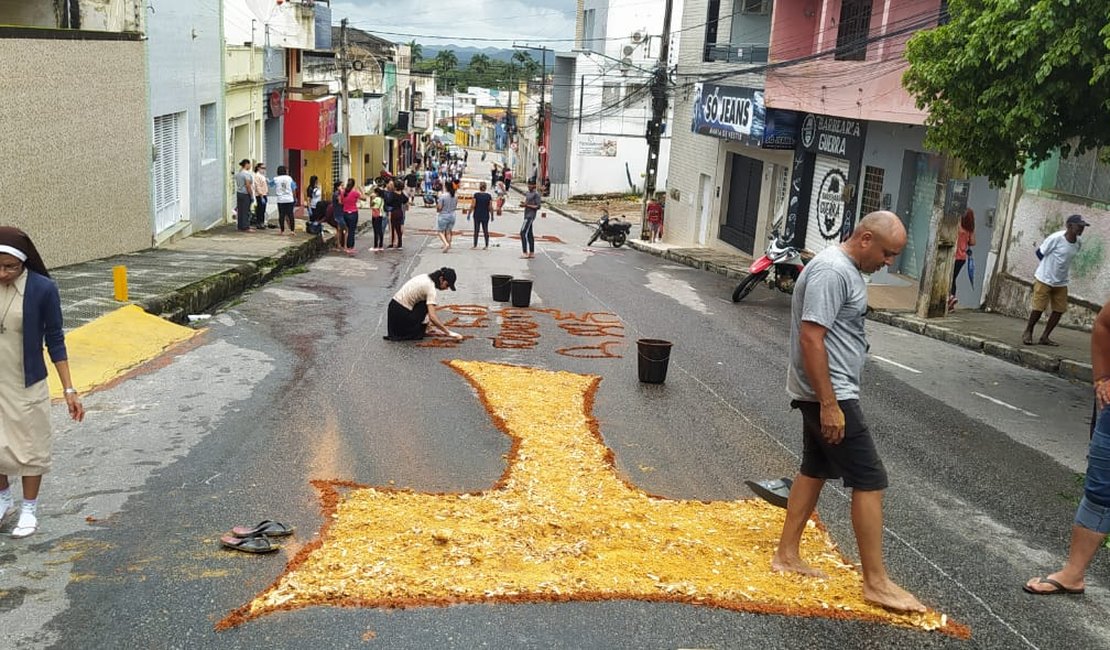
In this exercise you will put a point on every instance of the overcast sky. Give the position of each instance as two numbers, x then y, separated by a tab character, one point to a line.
460	20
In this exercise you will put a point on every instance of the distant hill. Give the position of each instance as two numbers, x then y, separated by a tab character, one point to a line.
463	54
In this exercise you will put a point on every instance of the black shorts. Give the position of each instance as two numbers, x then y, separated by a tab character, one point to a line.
854	459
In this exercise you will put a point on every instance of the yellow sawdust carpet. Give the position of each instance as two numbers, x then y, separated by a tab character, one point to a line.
561	524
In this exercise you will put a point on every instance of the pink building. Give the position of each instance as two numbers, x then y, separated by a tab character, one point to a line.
839	63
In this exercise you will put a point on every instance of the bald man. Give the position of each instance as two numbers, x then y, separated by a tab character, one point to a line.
827	353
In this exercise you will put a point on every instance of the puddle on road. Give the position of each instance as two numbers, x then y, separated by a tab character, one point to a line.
679	290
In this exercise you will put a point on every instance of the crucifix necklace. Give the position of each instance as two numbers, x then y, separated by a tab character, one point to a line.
4	318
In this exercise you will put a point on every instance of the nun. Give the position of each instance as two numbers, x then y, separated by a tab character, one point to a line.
30	316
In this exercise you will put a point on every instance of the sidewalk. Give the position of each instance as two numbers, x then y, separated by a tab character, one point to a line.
891	301
189	276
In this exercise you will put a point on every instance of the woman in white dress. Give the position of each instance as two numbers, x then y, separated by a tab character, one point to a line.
30	315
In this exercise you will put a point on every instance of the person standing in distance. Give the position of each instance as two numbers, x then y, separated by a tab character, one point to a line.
1050	283
285	193
531	205
827	353
261	195
483	213
244	195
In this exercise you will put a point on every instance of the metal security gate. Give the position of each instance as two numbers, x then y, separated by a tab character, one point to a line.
827	203
745	183
167	171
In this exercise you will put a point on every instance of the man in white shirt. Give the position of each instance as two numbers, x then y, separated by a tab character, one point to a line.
1050	284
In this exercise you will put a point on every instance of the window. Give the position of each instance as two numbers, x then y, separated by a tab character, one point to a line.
208	132
712	17
872	190
589	27
1085	177
337	166
610	94
851	35
756	7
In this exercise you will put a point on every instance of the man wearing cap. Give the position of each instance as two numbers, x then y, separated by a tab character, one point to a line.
413	307
1050	284
531	205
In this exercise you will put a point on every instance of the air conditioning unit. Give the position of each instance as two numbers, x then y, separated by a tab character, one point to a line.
639	36
628	50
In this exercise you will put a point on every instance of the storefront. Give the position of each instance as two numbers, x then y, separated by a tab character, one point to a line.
825	178
752	159
309	127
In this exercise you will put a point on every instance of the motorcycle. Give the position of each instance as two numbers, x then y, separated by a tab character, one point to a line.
780	257
614	231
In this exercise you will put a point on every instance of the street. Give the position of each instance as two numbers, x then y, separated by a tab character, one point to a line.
293	384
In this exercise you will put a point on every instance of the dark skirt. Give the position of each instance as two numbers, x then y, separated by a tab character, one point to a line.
405	324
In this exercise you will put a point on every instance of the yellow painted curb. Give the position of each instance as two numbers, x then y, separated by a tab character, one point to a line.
104	349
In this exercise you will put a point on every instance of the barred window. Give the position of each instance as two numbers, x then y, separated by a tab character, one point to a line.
851	34
872	190
1084	176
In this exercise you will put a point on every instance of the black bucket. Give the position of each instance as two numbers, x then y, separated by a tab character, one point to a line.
521	292
652	360
501	287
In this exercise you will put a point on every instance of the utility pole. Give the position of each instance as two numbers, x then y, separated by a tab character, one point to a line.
948	208
541	120
658	114
345	71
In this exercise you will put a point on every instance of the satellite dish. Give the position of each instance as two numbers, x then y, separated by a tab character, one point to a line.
638	36
628	50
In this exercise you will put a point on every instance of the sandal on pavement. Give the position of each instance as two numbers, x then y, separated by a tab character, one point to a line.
775	492
1049	342
256	544
268	528
1057	588
26	526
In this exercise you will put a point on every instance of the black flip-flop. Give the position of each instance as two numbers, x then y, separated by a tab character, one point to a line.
268	528
774	492
1058	589
256	544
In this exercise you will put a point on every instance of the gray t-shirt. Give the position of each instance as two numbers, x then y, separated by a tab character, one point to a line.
831	292
448	204
243	180
531	198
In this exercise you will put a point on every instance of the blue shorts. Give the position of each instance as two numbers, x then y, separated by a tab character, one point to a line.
1094	510
445	222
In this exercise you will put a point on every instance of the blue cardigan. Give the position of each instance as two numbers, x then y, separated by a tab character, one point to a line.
42	320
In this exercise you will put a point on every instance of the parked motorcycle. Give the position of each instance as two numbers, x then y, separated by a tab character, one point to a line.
786	262
614	231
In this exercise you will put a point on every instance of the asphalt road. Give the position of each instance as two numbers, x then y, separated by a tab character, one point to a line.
294	383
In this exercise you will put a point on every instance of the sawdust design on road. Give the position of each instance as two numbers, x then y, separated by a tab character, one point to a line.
560	525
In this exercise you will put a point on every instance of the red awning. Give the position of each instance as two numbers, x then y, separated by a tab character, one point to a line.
309	124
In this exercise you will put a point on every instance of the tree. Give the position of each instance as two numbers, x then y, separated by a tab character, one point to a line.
524	58
417	51
479	64
1007	82
446	61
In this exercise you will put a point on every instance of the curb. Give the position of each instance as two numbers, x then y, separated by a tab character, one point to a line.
200	296
1064	368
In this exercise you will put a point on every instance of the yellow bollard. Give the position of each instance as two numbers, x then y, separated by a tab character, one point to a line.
119	280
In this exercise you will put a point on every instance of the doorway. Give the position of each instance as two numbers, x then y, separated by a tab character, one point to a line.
742	216
915	204
705	201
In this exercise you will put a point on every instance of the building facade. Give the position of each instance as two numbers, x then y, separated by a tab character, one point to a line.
839	65
68	134
187	106
730	162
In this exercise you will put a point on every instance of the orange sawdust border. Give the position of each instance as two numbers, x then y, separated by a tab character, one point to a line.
602	348
329	499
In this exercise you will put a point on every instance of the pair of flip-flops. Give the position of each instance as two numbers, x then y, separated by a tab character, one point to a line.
256	539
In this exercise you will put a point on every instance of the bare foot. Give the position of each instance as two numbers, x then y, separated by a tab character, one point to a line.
795	565
891	596
1027	339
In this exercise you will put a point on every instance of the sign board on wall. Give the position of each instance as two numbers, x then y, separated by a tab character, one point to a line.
592	146
420	120
739	114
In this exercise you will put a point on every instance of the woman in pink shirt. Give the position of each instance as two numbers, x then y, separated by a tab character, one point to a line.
351	196
964	241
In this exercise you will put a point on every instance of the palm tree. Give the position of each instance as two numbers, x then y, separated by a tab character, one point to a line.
524	58
479	63
446	61
417	51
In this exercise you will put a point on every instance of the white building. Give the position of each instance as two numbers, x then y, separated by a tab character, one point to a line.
601	99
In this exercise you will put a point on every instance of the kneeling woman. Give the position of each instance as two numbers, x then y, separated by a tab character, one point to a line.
413	307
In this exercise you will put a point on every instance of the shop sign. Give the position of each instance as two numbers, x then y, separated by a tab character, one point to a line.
830	204
605	147
835	136
740	115
420	119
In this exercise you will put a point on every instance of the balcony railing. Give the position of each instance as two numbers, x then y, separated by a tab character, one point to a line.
730	53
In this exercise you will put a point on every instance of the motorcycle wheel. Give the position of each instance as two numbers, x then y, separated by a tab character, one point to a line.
746	285
593	237
618	240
